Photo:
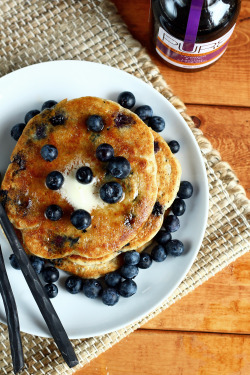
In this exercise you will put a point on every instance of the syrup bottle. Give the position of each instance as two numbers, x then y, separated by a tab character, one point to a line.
192	34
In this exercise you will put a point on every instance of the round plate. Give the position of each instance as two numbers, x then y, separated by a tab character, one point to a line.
27	89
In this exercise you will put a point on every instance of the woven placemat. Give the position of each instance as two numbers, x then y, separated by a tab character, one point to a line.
36	31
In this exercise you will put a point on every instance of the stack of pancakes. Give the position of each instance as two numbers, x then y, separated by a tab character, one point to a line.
129	224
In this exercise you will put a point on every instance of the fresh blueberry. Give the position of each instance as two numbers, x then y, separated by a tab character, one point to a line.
156	123
128	271
111	192
112	279
51	290
37	263
178	207
171	223
174	146
119	167
54	180
163	237
81	219
95	123
104	152
126	99
127	288
53	212
58	119
145	261
185	190
49	152
50	274
48	104
110	296
29	115
73	284
92	288
17	130
131	257
174	247
14	262
84	175
158	253
144	112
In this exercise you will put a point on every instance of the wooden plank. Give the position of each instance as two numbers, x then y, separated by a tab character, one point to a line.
175	353
228	130
225	83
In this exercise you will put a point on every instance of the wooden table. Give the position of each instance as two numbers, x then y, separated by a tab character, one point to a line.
208	331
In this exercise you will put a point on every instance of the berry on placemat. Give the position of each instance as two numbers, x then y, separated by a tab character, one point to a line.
156	123
95	123
37	263
131	257
144	112
51	290
171	223
174	247
17	130
84	175
14	262
29	115
81	219
126	99
145	261
112	279
110	296
104	152
48	104
127	288
49	152
185	190
54	180
50	274
158	253
178	207
73	284
92	288
174	146
119	167
163	237
129	271
111	192
53	212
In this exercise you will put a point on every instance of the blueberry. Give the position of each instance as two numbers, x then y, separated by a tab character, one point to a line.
126	99
110	296
48	104
158	253
157	123
174	247
185	190
50	274
51	290
111	192
145	261
131	257
174	146
73	284
53	212
84	175
104	152
127	288
81	219
171	223
17	130
163	237
14	262
29	115
178	207
144	112
54	180
119	167
37	263
92	288
49	152
58	119
128	271
95	123
112	279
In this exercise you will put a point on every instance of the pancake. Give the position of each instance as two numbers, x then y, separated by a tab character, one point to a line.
64	126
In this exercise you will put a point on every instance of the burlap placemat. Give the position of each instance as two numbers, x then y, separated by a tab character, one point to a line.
36	31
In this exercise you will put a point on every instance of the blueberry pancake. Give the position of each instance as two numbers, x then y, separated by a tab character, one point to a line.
64	197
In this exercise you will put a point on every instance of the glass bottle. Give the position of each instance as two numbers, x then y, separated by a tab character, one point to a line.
192	34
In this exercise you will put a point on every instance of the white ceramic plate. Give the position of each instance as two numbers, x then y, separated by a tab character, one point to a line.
27	89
